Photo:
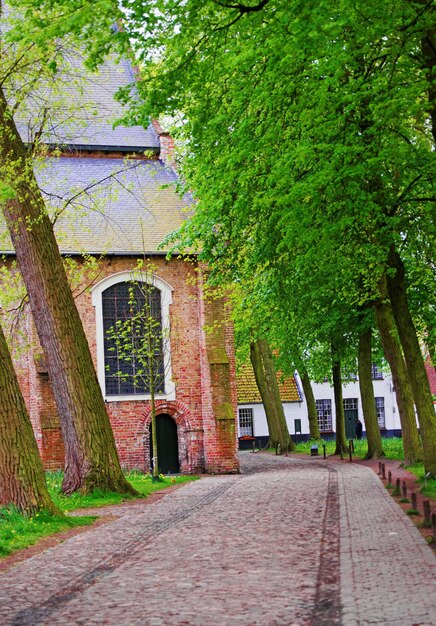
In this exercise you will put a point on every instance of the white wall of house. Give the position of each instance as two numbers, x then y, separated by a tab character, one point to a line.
383	388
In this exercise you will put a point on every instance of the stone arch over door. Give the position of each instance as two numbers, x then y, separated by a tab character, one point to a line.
190	439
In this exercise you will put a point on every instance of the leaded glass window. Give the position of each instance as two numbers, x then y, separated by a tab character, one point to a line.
127	374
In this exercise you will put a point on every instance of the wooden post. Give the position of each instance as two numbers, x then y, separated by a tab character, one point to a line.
383	468
433	526
427	513
396	491
389	478
323	449
404	489
379	468
414	501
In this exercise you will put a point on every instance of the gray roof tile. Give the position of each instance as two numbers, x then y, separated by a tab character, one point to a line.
113	205
109	206
83	109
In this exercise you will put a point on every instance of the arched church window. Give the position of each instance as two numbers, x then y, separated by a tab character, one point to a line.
117	299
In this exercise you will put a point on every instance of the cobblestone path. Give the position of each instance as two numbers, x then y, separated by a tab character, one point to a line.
289	542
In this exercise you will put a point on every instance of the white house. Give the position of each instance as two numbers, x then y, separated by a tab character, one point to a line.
252	420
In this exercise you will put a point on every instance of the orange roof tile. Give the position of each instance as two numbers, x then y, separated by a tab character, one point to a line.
248	392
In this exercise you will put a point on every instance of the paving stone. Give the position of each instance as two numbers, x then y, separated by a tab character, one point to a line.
290	542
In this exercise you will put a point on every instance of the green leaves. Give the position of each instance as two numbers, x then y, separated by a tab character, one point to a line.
307	141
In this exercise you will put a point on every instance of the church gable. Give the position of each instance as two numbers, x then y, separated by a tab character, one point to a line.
113	200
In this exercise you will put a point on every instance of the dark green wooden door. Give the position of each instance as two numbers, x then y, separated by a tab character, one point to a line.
350	423
350	414
167	445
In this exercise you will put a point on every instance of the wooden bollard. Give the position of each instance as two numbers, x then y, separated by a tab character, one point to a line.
383	471
404	489
433	526
396	491
427	512
414	501
390	478
379	468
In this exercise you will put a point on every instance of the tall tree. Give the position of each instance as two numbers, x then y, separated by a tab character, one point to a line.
341	440
22	478
91	456
312	414
414	361
403	391
266	378
373	436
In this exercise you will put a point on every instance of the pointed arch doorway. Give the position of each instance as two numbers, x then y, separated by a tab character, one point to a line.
167	444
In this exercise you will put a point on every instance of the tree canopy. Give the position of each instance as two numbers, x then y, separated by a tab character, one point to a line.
307	134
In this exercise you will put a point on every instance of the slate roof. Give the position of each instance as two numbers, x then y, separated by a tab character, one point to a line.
248	393
104	205
112	206
86	111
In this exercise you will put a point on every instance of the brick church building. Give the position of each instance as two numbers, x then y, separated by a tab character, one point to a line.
113	194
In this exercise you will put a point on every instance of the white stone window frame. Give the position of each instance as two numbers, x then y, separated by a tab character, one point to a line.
324	413
166	300
245	422
380	410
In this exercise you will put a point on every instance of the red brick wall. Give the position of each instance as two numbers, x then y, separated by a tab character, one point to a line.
205	442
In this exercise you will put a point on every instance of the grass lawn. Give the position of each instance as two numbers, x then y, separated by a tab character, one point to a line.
428	487
141	482
18	531
392	446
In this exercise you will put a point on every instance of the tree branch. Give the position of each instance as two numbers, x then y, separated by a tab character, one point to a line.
242	8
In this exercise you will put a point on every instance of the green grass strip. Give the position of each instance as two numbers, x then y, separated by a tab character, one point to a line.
18	531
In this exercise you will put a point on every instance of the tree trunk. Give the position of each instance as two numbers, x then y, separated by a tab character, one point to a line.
375	446
403	391
341	440
91	457
22	479
414	361
311	405
266	379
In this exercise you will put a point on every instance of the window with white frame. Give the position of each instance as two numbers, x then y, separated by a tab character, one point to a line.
112	300
324	411
245	422
376	373
380	409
